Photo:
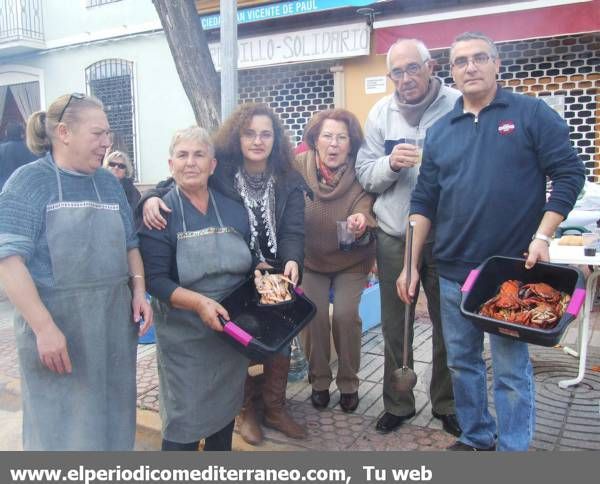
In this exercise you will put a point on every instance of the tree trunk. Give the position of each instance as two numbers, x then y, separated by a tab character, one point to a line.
195	67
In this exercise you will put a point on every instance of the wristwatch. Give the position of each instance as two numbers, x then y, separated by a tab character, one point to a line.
541	236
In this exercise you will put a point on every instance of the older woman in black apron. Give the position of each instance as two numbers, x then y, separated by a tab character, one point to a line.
200	257
255	168
67	251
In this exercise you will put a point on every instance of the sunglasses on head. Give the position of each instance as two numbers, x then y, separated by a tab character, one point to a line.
75	95
114	164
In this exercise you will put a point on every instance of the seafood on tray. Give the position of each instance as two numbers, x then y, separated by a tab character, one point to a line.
537	305
273	288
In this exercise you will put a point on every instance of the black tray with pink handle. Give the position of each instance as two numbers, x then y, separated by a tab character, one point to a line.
259	331
484	282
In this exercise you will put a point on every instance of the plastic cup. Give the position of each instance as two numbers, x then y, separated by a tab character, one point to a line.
417	142
590	243
346	238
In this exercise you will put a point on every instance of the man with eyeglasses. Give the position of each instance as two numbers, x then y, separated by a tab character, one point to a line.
387	165
482	183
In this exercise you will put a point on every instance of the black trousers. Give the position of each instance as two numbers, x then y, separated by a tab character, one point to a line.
220	440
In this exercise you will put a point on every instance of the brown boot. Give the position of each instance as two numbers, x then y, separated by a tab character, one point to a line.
276	415
248	423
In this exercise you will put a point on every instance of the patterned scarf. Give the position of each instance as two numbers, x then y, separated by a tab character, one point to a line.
329	176
258	193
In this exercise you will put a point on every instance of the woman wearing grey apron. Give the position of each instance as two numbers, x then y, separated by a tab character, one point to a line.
67	252
255	168
199	258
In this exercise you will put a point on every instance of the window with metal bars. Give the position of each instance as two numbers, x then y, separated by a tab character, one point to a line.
97	3
111	81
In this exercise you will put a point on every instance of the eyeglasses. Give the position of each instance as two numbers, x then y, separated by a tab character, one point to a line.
263	136
120	166
480	59
75	95
411	70
339	138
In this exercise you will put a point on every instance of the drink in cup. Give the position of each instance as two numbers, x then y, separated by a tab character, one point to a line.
590	244
345	237
417	142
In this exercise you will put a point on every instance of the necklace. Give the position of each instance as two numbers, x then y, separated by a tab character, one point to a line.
258	193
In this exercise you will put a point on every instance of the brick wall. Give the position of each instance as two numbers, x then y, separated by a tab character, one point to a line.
294	91
566	66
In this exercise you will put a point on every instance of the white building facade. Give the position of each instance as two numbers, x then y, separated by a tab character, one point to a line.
115	50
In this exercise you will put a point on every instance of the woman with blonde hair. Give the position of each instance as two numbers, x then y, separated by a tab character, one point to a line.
70	264
119	164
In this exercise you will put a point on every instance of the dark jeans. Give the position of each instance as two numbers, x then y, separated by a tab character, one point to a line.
220	440
390	261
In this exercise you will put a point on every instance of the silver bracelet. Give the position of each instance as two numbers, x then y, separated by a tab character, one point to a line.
540	236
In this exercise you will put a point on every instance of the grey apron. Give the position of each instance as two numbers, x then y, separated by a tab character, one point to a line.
201	377
93	408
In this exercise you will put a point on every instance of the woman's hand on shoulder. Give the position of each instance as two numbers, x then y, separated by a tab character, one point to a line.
153	219
209	311
357	223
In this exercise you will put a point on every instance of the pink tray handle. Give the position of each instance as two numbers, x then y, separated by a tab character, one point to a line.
298	290
237	333
471	278
576	301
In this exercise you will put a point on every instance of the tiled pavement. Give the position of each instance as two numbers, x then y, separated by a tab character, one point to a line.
566	419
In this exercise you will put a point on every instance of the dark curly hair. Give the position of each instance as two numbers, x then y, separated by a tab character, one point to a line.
314	126
228	150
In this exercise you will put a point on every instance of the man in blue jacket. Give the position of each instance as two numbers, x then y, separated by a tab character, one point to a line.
482	182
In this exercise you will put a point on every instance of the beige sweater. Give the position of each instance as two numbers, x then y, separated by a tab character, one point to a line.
328	206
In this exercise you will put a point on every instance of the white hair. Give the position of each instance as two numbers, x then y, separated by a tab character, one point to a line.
421	47
193	133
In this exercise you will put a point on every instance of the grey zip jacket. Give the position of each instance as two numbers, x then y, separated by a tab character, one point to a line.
385	127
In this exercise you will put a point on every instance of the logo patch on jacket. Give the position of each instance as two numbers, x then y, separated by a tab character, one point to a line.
506	127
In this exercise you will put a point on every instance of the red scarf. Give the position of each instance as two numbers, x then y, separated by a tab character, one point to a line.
328	176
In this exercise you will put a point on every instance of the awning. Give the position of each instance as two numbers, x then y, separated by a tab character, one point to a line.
516	21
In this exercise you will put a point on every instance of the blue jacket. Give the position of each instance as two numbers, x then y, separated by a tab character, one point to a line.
13	154
483	180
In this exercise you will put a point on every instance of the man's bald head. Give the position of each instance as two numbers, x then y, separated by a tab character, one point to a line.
410	69
418	44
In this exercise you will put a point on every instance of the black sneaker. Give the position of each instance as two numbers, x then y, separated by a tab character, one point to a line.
461	447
